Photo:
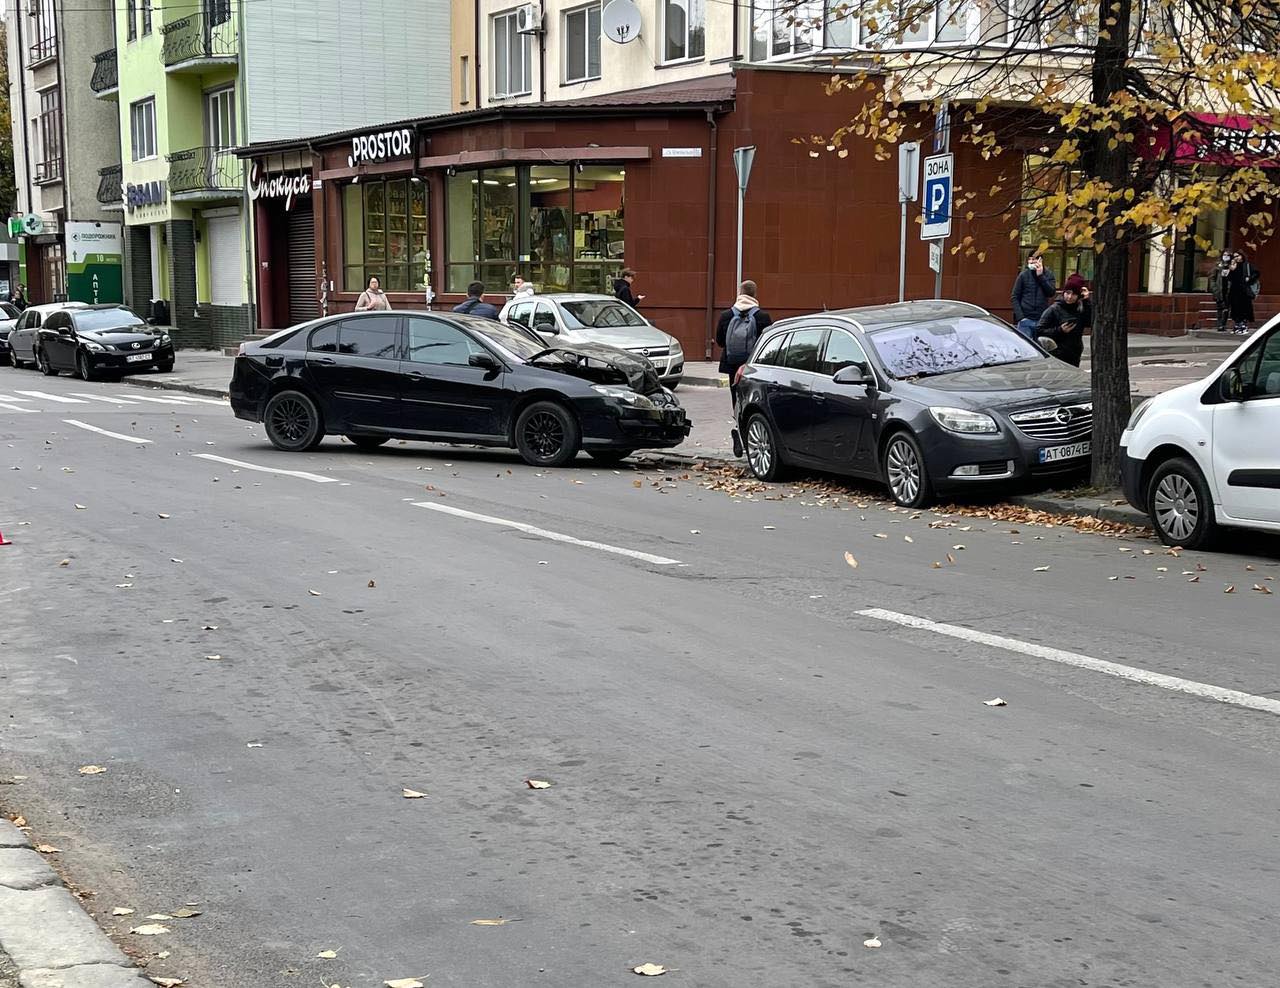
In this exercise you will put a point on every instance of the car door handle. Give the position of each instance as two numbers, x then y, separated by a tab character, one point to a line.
417	375
820	399
323	360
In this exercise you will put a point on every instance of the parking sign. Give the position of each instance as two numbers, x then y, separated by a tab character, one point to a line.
938	171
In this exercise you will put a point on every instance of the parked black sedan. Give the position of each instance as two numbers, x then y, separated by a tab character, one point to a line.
927	397
376	376
98	340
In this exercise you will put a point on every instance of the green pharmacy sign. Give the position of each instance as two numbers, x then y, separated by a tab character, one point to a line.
95	262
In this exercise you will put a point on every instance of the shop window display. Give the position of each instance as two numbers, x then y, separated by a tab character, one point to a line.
385	229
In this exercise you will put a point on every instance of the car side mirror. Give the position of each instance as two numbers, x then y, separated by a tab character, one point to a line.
485	360
854	374
547	326
1231	386
64	330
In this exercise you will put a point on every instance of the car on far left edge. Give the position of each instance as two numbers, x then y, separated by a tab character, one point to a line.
8	320
101	341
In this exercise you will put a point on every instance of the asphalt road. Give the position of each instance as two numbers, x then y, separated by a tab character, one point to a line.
749	776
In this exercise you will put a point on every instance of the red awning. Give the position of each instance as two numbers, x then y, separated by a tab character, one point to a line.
1231	140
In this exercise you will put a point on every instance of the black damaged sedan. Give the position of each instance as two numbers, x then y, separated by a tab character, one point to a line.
926	397
442	377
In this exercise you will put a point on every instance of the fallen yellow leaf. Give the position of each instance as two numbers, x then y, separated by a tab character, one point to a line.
405	983
996	702
150	930
500	921
186	913
328	954
91	770
412	794
48	849
165	982
1230	589
650	970
537	784
122	911
1041	569
873	942
314	593
848	558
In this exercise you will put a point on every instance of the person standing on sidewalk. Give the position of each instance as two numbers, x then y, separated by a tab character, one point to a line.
1065	321
1033	291
1243	285
1219	285
739	328
622	289
19	298
373	299
475	305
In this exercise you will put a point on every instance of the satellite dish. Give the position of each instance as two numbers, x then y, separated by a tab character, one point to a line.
620	21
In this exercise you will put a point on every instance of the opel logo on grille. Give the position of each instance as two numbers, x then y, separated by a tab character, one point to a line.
137	346
645	351
1064	415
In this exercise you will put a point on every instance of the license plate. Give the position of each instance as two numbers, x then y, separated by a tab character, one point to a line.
1052	454
138	358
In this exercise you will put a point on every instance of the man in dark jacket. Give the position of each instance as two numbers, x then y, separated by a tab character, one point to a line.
1033	290
475	305
748	308
622	289
1065	321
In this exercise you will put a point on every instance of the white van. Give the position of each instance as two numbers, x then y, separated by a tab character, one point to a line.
1208	454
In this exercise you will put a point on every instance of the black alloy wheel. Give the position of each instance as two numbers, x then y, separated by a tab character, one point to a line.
764	453
293	422
547	435
1180	505
83	368
905	472
368	442
43	365
609	456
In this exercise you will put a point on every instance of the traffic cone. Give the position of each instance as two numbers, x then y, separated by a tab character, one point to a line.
3	540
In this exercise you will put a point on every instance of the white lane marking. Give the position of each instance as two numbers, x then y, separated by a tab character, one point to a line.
107	398
300	474
17	408
174	399
12	398
1131	673
520	526
103	432
158	401
48	397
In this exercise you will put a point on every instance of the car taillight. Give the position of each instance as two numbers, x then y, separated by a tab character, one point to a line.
737	376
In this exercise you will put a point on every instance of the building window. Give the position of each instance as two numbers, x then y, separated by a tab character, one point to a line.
784	29
582	44
384	230
146	16
44	31
464	79
1041	179
220	118
512	72
217	11
142	126
946	22
558	226
683	29
48	136
131	19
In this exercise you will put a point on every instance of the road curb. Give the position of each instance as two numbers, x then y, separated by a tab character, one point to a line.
194	389
46	934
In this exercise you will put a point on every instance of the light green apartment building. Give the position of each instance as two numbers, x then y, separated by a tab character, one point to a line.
187	235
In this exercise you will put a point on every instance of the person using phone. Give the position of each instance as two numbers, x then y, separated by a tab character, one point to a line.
1066	320
1033	291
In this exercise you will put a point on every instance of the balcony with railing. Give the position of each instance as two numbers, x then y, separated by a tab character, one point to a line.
206	38
111	187
48	171
105	81
205	174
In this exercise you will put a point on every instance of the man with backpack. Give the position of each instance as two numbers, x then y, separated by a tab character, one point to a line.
475	305
739	328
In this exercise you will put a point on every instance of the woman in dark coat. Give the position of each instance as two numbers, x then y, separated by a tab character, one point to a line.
1240	282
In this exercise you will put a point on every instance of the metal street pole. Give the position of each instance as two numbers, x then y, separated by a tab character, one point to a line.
908	190
742	160
941	145
902	256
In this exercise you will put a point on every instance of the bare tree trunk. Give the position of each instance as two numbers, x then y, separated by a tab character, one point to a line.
1109	358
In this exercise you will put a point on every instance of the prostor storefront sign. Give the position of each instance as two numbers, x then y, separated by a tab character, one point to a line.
381	146
263	186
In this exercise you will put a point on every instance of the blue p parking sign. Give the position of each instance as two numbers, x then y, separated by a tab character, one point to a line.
936	207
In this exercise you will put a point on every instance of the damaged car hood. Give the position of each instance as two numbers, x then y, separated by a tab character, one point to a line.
601	364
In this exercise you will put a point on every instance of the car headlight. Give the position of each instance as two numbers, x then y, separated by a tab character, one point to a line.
962	420
93	347
1138	412
676	348
622	394
164	338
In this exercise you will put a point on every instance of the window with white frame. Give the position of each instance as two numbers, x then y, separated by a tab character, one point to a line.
142	125
780	28
582	43
946	22
512	72
684	28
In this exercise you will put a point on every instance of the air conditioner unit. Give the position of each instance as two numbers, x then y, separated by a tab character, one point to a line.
529	18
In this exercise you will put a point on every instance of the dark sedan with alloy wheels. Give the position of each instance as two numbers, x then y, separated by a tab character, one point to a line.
443	377
100	341
926	397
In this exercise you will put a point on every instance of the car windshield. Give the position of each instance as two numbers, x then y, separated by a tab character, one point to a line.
600	313
109	321
944	346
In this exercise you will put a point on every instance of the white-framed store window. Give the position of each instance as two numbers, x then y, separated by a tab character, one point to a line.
512	69
142	128
684	30
582	43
